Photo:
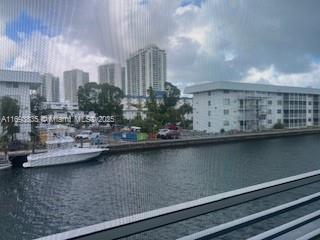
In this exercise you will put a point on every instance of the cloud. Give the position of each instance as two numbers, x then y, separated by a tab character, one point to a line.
55	55
271	76
8	50
205	40
186	9
23	26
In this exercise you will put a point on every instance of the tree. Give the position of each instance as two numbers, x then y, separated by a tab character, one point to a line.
37	106
183	111
168	107
38	109
171	95
278	125
109	100
88	97
103	99
9	109
151	103
162	112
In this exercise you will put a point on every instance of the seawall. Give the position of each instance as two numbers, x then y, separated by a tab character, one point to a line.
135	146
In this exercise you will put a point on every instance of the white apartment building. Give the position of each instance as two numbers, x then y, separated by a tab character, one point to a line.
63	111
73	79
50	87
62	106
237	106
146	68
111	74
132	106
17	85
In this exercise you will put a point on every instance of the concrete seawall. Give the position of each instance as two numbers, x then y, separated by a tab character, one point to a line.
127	147
17	158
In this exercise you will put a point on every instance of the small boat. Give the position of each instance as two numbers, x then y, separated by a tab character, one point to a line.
62	150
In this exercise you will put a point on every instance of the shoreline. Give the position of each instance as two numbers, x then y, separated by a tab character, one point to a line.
173	143
18	157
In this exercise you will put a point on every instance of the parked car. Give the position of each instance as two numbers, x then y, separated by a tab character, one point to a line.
135	129
171	126
131	129
125	129
168	134
87	135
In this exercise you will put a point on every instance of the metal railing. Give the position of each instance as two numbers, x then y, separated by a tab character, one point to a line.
135	224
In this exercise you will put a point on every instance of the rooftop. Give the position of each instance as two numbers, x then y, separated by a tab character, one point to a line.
32	78
239	86
150	46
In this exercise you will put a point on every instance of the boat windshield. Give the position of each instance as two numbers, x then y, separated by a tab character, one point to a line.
60	143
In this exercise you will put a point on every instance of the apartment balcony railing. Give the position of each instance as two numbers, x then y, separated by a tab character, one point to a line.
131	225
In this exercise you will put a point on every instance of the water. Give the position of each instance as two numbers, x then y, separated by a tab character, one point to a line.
41	201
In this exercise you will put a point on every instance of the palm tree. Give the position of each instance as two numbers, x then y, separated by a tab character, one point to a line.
9	109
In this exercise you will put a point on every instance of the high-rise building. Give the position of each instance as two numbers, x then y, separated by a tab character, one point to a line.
146	68
50	87
123	80
111	74
73	79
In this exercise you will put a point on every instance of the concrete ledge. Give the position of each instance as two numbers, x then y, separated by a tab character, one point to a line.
141	222
126	147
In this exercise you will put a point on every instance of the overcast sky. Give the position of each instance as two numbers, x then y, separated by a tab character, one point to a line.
273	41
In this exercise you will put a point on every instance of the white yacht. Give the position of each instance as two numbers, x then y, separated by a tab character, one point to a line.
61	150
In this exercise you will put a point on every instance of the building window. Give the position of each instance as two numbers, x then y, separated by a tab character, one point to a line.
270	102
209	113
225	123
12	85
226	91
209	124
209	93
279	111
269	111
269	121
279	102
309	111
226	111
226	101
309	119
310	103
209	103
241	103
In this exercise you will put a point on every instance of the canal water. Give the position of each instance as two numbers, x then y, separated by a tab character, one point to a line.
42	201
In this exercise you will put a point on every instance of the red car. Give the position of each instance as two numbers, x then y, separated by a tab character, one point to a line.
171	126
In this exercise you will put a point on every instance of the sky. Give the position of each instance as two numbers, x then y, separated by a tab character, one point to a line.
274	41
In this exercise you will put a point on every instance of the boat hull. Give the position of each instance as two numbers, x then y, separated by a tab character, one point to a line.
62	157
5	166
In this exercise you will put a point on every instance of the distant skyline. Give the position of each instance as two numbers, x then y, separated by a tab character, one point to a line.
274	41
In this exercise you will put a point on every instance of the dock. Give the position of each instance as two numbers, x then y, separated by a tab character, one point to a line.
18	157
